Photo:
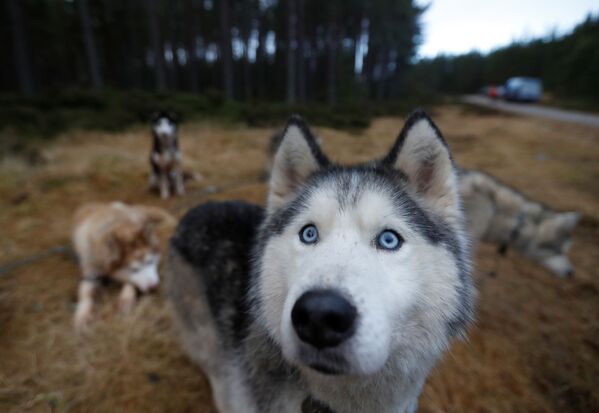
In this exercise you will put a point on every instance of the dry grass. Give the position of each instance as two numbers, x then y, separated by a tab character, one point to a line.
535	347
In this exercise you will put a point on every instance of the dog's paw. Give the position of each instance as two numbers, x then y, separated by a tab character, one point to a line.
127	299
83	320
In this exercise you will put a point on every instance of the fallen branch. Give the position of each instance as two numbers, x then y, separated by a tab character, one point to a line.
11	266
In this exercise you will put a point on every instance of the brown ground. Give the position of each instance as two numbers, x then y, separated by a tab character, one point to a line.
535	347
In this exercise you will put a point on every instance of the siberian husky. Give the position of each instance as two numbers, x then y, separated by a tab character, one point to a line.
165	158
342	294
499	214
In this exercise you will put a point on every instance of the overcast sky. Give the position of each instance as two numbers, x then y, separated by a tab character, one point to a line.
458	26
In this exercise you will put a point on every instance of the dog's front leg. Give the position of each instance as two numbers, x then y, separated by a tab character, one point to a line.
178	177
85	302
127	298
164	185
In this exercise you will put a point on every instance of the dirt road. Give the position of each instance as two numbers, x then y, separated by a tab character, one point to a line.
530	109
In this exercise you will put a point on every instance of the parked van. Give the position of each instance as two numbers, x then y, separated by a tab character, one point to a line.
524	89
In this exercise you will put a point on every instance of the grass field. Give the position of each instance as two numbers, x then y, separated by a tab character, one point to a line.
535	346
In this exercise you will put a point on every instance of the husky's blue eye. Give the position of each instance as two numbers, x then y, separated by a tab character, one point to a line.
389	240
308	234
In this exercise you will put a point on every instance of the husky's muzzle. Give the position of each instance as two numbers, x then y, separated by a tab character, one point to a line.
145	276
323	319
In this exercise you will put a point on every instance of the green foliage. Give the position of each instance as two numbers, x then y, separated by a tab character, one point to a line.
29	122
349	117
568	66
26	122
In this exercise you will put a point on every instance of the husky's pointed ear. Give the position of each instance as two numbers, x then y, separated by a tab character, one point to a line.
296	158
173	116
422	154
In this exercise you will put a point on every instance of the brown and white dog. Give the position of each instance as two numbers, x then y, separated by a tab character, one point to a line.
165	159
117	242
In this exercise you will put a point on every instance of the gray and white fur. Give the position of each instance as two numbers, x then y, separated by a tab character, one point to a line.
273	145
499	214
339	296
165	159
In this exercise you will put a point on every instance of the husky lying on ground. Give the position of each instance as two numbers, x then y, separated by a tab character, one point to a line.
116	242
165	159
499	214
342	294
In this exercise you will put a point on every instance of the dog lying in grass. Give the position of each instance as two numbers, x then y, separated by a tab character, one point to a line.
116	242
499	214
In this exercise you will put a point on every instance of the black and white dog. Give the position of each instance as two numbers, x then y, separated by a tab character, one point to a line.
342	294
165	159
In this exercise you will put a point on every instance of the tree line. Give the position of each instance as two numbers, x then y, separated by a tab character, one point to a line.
247	50
568	65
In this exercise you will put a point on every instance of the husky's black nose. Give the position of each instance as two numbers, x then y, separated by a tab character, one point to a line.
323	318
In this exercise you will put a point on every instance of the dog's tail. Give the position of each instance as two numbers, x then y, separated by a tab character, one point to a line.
192	176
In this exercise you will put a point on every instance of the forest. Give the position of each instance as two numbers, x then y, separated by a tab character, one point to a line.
105	64
292	50
568	66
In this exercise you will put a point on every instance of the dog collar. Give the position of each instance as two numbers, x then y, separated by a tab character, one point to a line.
314	406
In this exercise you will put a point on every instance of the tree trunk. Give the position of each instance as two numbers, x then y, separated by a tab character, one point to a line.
156	43
332	61
291	50
382	62
90	45
314	83
247	33
261	61
191	46
174	44
301	39
370	68
22	64
226	49
132	55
